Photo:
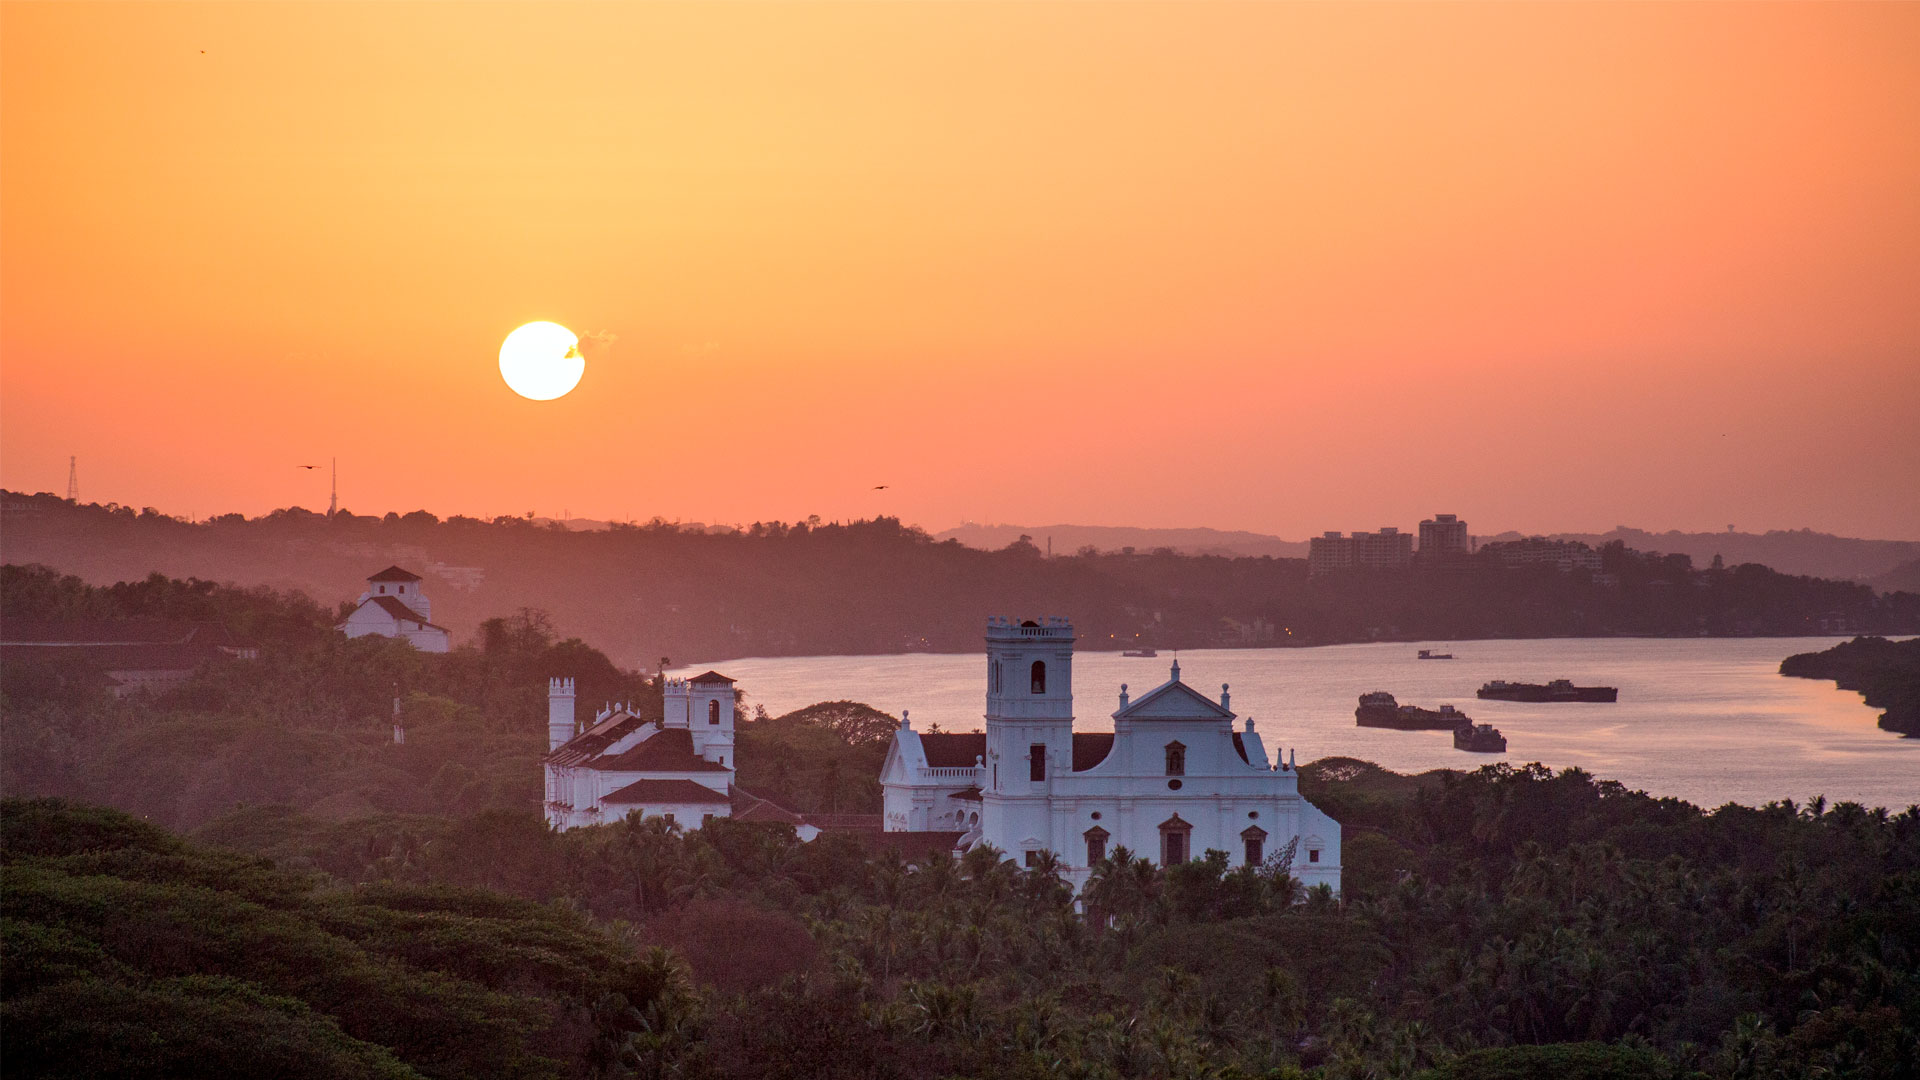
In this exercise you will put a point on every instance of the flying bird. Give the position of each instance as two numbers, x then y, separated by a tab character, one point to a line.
306	466
879	487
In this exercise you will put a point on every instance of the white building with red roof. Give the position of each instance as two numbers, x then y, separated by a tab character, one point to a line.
679	767
393	606
1172	780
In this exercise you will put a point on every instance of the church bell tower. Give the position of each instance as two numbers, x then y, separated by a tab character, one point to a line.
1029	727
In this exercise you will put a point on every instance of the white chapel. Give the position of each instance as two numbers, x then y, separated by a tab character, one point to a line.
393	606
679	767
1173	779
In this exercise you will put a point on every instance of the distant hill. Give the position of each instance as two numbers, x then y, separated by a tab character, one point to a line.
1902	578
1068	539
1795	551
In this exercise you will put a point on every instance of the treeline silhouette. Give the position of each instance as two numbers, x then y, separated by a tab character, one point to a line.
1507	922
1886	673
639	592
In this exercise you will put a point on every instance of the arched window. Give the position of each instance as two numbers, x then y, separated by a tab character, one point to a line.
1039	676
1096	844
1176	759
713	712
993	676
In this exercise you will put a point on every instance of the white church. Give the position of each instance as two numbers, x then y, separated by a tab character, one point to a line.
680	767
393	606
1173	779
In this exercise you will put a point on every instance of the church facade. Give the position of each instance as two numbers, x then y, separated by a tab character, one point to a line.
680	767
1173	779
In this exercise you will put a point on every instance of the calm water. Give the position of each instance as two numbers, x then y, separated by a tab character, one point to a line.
1709	720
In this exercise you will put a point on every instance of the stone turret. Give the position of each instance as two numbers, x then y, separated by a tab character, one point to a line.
560	725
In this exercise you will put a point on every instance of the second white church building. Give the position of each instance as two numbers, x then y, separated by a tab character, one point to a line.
1173	779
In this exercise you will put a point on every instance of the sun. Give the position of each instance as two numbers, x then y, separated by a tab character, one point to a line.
542	361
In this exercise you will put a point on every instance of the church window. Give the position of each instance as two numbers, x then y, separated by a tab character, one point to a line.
1039	676
1313	855
1096	844
1033	858
383	590
993	676
668	818
1176	759
1037	762
1255	839
713	712
1175	841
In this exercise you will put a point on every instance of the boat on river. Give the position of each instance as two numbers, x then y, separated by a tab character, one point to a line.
1479	739
1379	709
1140	652
1557	690
1429	654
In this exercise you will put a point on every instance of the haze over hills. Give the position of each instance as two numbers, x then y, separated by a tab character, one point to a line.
878	586
1790	551
1068	539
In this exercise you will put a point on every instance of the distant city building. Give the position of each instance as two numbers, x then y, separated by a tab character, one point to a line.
1388	549
1443	536
393	606
1565	556
135	654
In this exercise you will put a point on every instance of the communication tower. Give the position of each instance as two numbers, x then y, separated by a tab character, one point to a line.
73	479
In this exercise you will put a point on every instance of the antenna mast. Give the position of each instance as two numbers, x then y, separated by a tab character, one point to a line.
73	479
333	500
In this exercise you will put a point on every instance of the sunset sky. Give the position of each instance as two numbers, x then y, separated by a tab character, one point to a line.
1282	267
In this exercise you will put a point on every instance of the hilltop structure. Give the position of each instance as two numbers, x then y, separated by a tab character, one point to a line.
679	768
393	606
1172	779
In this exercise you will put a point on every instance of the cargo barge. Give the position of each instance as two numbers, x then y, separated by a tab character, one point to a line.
1557	690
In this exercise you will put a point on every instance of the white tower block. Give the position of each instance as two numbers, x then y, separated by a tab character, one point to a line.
560	725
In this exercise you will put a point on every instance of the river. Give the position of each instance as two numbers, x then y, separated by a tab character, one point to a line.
1709	720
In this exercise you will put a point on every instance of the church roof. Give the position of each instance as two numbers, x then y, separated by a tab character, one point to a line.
910	846
1173	700
971	794
665	791
400	611
1090	749
955	750
394	573
710	677
749	807
590	742
670	750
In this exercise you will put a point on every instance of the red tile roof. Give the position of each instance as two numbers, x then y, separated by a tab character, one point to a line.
845	822
950	750
752	808
663	751
911	846
399	610
394	573
665	791
710	677
113	632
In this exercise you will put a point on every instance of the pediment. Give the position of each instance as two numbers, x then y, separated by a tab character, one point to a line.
1174	701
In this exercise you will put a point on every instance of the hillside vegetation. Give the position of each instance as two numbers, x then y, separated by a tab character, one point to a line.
638	593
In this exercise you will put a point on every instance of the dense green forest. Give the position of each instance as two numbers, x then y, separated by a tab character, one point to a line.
347	906
1509	922
639	592
1886	673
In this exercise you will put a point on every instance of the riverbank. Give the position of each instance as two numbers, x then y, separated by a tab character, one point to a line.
1886	673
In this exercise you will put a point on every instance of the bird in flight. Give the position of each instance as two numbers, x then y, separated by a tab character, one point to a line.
879	487
306	466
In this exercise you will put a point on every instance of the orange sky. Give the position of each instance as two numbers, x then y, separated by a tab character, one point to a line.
1267	266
